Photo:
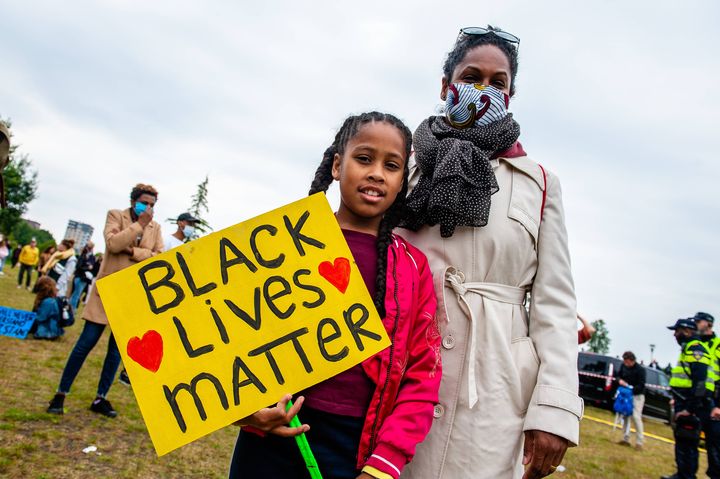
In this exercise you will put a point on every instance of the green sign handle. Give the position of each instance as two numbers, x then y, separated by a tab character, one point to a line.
304	446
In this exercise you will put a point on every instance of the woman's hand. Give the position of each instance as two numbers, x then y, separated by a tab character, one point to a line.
146	217
365	475
275	420
544	451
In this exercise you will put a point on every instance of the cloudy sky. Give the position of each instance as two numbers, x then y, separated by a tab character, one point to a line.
620	99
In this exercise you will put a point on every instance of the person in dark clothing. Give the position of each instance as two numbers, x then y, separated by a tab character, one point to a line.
693	389
84	273
632	375
710	426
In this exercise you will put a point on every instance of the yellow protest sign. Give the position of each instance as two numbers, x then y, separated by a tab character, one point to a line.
218	328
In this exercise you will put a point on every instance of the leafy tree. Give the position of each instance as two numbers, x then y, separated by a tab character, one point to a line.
20	187
600	341
199	206
23	233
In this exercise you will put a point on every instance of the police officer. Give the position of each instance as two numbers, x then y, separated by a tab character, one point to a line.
704	323
711	424
693	390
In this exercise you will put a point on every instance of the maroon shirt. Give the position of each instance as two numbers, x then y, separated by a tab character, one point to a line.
349	393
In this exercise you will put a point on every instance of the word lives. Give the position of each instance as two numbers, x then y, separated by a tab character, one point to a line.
218	328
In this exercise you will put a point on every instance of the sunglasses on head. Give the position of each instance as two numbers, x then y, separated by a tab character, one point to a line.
508	37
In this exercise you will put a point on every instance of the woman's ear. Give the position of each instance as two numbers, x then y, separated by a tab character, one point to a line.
336	167
444	89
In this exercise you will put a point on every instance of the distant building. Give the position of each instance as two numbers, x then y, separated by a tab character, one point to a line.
32	224
80	232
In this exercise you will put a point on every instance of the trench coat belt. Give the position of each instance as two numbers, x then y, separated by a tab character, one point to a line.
492	291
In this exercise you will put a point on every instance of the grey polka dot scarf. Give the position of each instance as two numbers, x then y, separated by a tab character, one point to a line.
457	178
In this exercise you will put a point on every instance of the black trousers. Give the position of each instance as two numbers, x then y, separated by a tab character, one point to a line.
686	451
333	439
25	268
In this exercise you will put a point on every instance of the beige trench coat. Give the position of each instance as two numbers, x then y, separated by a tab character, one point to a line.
120	234
504	371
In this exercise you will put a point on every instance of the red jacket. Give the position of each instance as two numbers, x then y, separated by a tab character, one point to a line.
407	373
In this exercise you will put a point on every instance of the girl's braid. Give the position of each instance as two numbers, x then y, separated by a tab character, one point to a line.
323	179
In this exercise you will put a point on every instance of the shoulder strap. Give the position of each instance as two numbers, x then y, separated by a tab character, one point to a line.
542	206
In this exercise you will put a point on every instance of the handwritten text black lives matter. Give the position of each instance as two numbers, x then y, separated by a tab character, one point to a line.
282	295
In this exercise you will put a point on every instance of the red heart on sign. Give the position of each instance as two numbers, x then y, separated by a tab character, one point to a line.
148	351
337	273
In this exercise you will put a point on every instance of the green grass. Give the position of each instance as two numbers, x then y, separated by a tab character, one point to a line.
34	444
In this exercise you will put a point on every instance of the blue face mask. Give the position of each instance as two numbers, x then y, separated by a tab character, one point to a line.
140	208
188	231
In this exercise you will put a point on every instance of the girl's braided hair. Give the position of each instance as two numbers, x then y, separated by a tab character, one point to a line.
323	179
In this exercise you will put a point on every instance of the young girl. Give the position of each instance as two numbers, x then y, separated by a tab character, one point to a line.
366	421
48	313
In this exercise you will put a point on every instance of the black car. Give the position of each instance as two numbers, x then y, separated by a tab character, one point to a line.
598	384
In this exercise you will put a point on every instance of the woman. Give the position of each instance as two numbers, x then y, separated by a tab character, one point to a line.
44	257
4	253
83	273
490	221
48	312
61	265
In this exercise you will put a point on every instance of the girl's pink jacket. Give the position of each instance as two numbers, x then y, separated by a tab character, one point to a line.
407	373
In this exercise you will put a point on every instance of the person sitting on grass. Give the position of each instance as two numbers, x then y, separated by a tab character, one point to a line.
46	324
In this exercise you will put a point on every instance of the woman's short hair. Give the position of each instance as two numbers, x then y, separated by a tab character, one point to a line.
629	355
143	189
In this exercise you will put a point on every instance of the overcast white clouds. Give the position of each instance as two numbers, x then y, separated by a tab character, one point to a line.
619	98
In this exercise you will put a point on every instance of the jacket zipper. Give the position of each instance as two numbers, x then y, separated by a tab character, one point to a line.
390	362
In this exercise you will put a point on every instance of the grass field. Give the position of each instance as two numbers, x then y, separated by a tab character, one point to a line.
34	444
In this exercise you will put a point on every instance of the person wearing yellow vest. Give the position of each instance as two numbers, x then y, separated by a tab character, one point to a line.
693	389
704	323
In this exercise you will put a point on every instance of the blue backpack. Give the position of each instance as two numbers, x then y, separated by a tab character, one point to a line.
623	401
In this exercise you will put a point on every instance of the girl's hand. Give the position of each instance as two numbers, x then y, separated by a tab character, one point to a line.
365	475
275	420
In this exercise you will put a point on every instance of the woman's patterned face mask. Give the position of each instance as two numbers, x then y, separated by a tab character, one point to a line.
474	105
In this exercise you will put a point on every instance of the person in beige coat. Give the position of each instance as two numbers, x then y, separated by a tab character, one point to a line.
131	236
491	223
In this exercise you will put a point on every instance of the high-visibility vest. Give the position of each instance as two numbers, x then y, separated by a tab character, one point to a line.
680	374
713	347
